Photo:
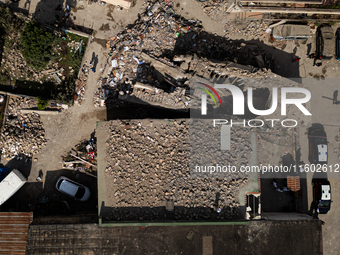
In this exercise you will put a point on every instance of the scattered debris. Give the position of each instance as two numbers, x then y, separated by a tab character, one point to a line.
21	133
84	157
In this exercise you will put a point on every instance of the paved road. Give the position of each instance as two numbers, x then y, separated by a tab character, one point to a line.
324	112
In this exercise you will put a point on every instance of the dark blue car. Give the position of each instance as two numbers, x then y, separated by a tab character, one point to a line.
338	45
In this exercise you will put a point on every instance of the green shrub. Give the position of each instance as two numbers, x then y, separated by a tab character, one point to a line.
42	103
38	45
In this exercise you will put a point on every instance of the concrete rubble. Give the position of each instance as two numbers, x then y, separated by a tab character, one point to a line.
21	133
149	165
164	50
254	29
214	9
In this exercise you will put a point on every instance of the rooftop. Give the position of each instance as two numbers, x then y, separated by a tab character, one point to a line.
14	232
144	163
258	238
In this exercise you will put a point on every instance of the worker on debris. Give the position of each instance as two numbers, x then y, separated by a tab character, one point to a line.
311	56
296	59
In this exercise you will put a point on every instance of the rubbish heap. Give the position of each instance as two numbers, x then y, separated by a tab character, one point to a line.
83	157
80	87
21	133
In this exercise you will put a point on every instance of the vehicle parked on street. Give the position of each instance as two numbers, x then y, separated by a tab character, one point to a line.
325	42
11	184
318	146
322	195
73	189
291	32
338	45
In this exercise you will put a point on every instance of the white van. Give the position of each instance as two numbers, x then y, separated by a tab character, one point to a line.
11	184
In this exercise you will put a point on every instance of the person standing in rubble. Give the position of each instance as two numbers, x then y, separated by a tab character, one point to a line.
296	59
311	56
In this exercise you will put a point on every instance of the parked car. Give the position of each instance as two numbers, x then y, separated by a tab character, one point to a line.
325	42
72	189
322	195
291	32
11	184
318	149
338	45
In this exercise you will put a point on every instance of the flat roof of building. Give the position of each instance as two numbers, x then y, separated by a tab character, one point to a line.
144	163
298	237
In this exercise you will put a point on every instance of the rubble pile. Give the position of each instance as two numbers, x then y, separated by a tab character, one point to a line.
17	103
215	9
210	69
254	29
175	99
15	64
155	31
81	85
163	50
149	165
22	133
83	157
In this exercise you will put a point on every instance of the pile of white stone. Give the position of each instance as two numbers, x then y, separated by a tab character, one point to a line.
21	133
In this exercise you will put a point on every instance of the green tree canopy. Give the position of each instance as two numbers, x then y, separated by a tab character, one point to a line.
37	45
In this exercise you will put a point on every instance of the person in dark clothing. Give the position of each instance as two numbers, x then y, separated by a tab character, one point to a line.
311	56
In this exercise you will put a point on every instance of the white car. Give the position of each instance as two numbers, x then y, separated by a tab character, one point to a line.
73	189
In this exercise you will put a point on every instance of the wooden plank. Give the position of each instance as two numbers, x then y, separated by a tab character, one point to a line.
6	239
17	252
15	222
14	229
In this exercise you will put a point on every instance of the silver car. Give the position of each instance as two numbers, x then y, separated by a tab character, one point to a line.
291	32
73	189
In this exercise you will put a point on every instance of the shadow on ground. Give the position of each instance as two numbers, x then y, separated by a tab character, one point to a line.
32	195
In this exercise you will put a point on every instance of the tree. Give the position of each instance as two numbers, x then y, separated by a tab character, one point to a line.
38	45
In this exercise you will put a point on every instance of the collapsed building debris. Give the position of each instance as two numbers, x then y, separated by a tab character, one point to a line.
163	50
21	133
216	10
254	29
